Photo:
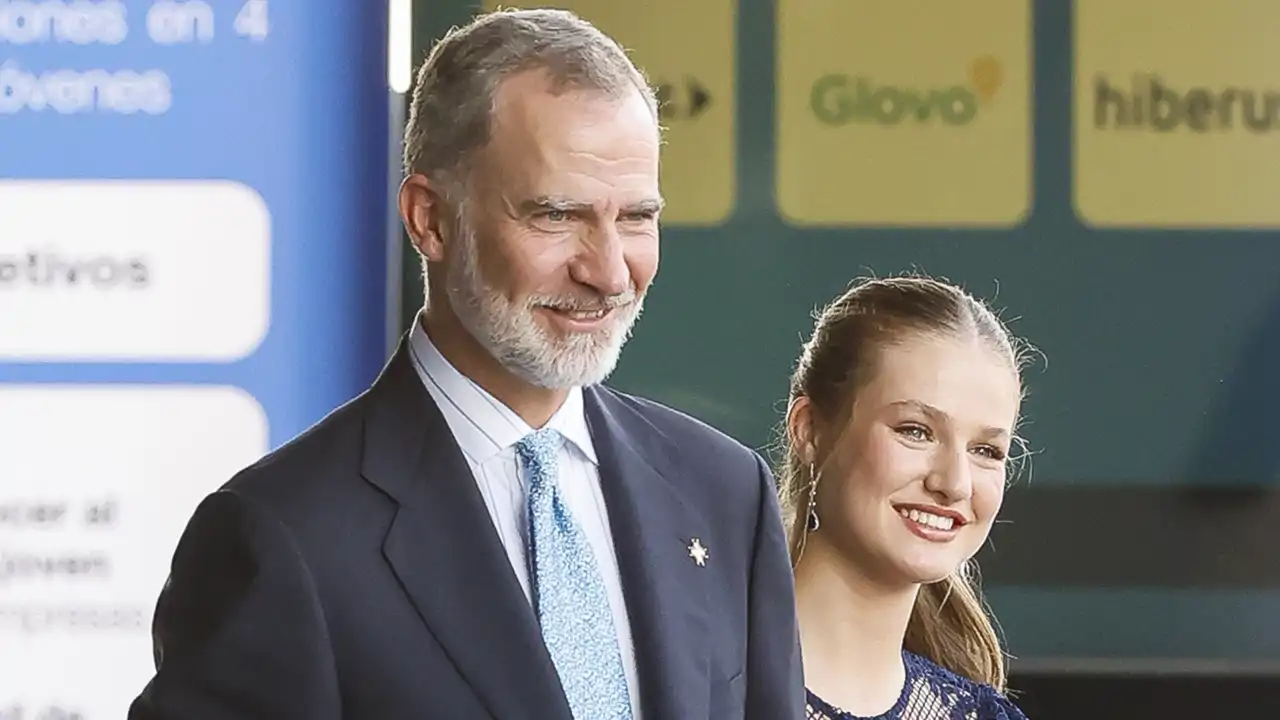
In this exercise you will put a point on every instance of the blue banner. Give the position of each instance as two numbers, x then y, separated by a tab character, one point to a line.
193	223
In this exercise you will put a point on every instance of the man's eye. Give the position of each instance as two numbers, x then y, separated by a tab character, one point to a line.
555	215
914	432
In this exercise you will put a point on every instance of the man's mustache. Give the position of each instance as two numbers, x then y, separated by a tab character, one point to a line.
573	303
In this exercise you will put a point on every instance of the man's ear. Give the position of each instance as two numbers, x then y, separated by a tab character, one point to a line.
801	434
425	216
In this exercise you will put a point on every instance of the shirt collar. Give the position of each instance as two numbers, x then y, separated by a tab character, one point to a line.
483	425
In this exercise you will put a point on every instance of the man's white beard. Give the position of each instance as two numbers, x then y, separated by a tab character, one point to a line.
520	344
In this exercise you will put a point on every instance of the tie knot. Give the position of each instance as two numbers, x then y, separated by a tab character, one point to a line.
539	448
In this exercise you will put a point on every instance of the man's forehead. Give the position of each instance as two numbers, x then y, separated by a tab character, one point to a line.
525	95
530	100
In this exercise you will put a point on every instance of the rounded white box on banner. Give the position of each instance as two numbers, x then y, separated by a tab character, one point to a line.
133	271
97	484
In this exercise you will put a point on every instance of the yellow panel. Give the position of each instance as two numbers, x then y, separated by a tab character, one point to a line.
904	112
688	49
1175	103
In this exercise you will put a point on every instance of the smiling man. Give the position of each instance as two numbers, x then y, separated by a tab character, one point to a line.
489	532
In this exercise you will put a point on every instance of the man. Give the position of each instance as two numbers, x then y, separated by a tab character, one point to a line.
488	532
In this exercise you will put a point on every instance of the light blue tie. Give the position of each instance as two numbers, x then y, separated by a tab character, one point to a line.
568	593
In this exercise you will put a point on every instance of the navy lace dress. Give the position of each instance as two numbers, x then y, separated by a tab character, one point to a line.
931	693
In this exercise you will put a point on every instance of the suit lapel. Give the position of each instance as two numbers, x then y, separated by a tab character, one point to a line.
652	530
443	548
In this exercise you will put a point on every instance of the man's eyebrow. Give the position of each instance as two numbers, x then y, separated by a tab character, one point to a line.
543	203
650	205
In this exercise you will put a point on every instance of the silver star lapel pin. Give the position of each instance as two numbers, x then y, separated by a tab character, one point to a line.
698	552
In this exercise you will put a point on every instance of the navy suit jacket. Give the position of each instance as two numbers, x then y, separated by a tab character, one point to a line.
355	574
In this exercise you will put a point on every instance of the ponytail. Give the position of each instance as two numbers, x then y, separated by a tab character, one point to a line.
950	626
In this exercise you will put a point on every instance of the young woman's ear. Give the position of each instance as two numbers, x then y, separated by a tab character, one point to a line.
800	430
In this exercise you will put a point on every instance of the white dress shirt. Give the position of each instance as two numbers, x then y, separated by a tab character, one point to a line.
487	431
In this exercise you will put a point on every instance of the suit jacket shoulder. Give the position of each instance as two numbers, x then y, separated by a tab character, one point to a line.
312	484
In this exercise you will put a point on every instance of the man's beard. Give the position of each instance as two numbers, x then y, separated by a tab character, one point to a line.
513	336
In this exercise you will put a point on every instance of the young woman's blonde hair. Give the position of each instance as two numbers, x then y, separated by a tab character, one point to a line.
949	624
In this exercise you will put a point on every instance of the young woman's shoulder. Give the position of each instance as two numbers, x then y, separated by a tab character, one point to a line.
965	697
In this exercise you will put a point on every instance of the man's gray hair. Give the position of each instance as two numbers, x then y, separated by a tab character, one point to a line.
453	99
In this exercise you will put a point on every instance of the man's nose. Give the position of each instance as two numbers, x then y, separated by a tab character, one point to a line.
602	263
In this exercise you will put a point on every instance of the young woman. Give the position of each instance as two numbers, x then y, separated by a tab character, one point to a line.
898	434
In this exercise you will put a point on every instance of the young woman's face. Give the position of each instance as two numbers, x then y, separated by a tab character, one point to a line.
913	485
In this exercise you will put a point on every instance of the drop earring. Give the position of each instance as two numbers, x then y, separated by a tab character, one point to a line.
812	523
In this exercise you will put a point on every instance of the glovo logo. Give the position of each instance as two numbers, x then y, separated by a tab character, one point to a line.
838	99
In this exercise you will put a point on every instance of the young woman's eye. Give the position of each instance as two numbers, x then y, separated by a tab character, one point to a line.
991	452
